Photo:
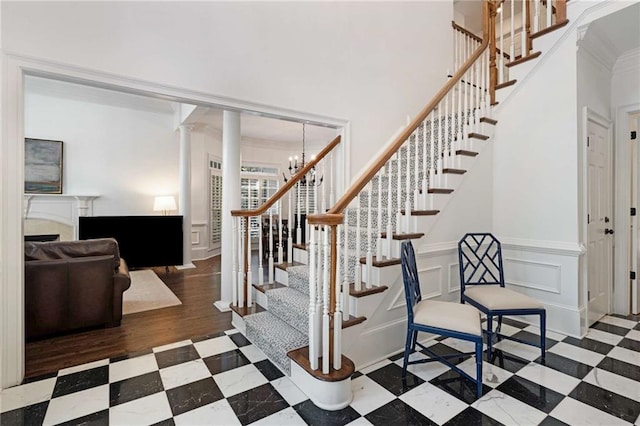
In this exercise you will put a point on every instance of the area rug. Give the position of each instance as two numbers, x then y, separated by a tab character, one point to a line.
147	292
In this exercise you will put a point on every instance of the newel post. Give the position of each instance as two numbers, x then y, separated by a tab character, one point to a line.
493	70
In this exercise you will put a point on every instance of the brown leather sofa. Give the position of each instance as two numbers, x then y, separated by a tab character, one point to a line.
71	285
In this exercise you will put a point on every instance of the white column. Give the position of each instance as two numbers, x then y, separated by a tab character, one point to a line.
184	198
230	201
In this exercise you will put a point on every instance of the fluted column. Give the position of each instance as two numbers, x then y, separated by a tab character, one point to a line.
230	201
184	203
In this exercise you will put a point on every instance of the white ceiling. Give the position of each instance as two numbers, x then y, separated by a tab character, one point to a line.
621	28
252	126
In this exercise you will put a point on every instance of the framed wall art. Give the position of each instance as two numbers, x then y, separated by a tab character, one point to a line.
43	166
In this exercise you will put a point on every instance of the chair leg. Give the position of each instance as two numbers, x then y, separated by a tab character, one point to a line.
407	351
414	340
479	368
489	334
543	333
499	327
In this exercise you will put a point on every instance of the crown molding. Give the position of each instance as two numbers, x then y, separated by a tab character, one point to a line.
597	45
628	61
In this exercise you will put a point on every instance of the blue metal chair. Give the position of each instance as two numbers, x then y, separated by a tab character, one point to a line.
437	317
482	285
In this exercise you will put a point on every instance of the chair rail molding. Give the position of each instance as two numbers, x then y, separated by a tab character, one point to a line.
560	248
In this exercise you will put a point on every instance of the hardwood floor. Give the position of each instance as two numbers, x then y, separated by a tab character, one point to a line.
196	288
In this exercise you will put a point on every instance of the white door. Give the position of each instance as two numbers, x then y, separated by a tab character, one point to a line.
600	224
634	253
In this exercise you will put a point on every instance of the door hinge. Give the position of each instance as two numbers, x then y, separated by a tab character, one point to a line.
588	219
588	140
634	135
633	211
632	275
588	295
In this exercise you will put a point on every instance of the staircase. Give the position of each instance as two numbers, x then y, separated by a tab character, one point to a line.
322	313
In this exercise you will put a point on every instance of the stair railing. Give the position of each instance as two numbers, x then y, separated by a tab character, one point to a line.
295	192
521	21
413	170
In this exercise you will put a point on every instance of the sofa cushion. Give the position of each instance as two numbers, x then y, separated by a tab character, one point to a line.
70	249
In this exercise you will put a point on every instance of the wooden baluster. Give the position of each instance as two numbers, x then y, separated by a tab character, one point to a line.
241	265
289	227
536	15
260	266
527	24
512	48
326	305
407	177
561	11
549	6
324	190
314	350
416	173
332	197
432	148
306	208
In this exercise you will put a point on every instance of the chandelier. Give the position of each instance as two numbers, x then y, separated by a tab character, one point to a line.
297	164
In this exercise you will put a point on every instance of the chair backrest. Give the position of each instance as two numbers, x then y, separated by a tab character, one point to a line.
410	277
480	260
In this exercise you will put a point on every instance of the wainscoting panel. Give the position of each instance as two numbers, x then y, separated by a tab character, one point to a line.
533	274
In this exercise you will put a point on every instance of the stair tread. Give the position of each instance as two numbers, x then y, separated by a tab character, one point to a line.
529	57
365	291
453	171
285	265
247	310
466	153
549	29
301	357
421	212
506	84
382	262
488	120
439	191
403	235
474	135
264	287
299	246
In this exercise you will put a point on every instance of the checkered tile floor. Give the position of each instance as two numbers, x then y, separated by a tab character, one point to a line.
224	380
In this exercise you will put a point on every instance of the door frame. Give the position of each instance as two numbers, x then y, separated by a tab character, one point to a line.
589	114
622	206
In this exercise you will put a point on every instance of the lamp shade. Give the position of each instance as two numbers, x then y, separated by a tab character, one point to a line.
164	203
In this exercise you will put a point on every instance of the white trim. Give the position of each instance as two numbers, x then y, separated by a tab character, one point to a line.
560	248
627	62
438	249
14	67
622	219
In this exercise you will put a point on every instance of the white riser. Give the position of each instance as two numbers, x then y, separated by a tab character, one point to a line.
301	256
281	276
503	94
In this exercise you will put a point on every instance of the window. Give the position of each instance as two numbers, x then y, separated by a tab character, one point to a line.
215	211
257	185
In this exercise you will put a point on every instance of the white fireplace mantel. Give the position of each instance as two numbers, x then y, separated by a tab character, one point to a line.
63	208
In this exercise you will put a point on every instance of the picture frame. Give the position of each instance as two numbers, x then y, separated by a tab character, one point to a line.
42	166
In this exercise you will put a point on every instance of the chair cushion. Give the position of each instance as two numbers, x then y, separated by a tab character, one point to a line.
494	297
448	316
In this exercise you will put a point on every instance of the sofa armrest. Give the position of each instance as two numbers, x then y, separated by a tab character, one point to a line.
121	278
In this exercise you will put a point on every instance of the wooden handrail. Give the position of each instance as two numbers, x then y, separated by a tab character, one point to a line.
465	32
290	183
362	181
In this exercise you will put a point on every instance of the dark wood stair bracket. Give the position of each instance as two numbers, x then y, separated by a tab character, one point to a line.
474	135
549	29
401	237
439	191
488	120
301	357
365	291
421	212
453	171
382	262
284	265
243	312
264	287
529	57
350	322
506	84
466	153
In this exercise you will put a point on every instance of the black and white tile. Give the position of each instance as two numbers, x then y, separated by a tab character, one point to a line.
223	379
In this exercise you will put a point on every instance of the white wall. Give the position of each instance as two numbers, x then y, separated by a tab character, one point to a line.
625	83
370	63
125	155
